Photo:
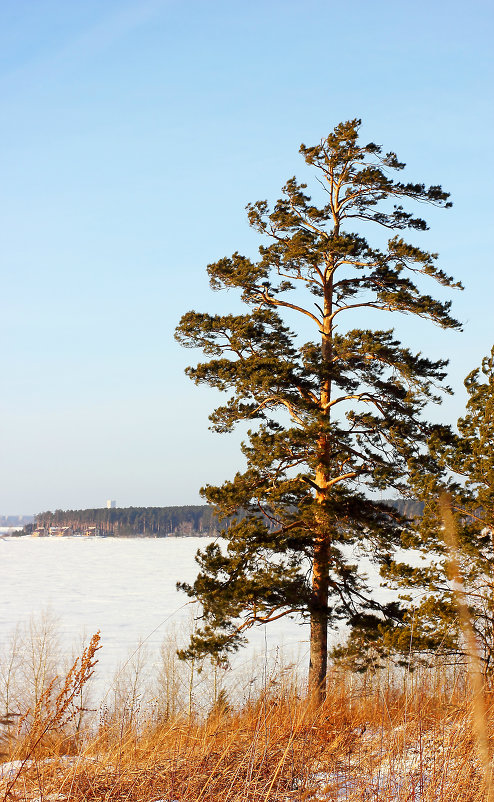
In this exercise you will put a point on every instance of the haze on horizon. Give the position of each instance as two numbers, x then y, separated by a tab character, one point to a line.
133	136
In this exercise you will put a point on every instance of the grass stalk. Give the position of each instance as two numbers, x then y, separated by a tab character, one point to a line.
480	721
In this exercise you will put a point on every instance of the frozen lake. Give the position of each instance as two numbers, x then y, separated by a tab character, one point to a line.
123	587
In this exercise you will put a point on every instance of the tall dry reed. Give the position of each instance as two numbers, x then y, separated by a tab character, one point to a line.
375	738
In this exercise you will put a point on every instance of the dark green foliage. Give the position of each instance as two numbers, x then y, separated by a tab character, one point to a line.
334	418
472	456
466	462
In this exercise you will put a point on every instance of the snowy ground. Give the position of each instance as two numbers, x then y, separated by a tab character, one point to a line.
124	587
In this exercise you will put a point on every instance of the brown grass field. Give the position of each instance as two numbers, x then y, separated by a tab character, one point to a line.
387	736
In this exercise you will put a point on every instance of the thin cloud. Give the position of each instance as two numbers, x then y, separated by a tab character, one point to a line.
95	39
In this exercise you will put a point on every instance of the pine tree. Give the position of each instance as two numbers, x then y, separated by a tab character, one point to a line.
335	418
465	469
471	455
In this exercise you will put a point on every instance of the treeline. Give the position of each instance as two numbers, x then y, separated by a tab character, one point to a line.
135	521
408	507
161	521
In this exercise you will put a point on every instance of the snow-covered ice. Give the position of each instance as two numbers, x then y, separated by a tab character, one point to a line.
124	587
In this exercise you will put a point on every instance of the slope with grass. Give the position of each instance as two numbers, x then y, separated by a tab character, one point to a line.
388	737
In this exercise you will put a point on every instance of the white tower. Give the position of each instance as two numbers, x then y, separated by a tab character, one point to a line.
111	504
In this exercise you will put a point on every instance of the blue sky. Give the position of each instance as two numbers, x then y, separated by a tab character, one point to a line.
133	134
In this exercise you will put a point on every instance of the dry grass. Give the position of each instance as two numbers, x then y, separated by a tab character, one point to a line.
376	738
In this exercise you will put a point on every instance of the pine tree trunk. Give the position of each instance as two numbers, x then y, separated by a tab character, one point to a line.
320	567
319	622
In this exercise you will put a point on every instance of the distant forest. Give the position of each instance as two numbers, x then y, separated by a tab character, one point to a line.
136	521
161	521
407	506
